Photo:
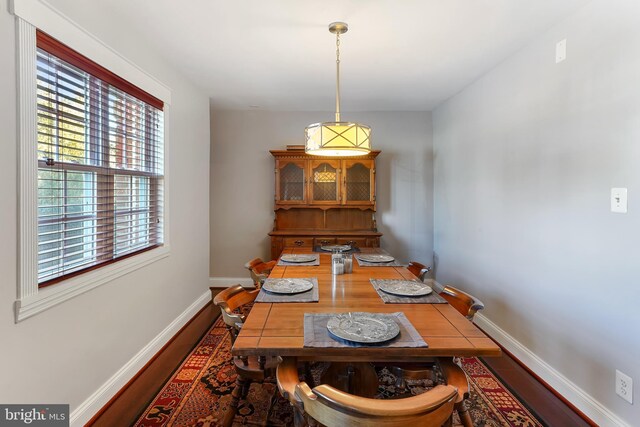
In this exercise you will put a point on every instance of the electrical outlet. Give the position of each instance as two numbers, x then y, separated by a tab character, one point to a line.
624	386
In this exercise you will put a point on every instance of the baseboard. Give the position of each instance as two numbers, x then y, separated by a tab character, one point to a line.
225	282
561	384
100	397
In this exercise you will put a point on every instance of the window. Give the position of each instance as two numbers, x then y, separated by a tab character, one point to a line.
100	158
92	180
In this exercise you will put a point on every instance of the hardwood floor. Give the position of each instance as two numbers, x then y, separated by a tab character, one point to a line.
551	410
125	408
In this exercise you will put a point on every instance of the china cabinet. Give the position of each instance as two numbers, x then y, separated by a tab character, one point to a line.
323	200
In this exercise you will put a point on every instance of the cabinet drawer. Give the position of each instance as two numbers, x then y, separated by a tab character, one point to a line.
358	242
322	241
292	242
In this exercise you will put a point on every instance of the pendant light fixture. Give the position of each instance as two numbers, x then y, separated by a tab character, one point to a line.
337	138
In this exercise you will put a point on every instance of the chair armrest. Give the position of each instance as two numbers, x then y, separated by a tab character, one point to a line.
413	405
455	376
288	378
423	273
230	299
463	302
268	266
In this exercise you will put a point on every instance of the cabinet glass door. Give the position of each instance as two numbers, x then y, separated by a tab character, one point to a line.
358	182
325	179
291	182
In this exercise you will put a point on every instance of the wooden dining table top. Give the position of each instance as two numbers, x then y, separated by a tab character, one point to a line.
277	329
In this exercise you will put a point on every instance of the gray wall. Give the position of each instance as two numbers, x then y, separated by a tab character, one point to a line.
64	354
242	181
525	158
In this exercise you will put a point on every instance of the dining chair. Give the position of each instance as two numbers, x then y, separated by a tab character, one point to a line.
332	407
259	270
419	270
465	303
452	373
249	369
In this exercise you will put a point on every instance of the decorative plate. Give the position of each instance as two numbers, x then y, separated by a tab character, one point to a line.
405	288
375	258
340	248
298	258
287	286
367	328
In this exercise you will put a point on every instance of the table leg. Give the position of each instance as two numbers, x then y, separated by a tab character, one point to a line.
357	378
241	383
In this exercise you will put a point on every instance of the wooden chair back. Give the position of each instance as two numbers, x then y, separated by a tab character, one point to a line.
419	270
466	304
333	407
259	270
231	299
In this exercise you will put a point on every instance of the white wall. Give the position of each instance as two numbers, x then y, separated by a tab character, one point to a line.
242	181
525	158
66	353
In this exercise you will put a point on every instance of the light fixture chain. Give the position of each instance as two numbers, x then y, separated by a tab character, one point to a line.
338	76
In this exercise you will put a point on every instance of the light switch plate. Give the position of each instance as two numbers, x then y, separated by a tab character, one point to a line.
619	200
561	50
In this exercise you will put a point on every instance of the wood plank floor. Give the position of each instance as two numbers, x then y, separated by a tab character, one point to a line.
125	408
550	409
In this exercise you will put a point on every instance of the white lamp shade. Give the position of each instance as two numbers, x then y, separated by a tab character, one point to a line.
337	139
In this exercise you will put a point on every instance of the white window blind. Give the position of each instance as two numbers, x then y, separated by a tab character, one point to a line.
100	171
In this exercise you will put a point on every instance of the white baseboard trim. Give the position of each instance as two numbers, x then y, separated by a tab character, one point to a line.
225	282
100	397
570	391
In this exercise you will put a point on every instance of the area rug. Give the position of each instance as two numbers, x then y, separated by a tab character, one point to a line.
199	392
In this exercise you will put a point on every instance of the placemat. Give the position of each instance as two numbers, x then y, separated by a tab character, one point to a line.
312	295
322	251
432	298
393	263
317	335
300	264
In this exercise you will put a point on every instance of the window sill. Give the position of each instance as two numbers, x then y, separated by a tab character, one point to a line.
58	293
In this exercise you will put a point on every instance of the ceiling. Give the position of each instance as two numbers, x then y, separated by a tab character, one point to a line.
406	55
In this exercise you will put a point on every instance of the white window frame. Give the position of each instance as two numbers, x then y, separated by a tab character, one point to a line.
32	14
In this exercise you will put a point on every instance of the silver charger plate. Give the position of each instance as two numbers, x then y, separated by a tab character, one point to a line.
405	288
288	286
340	248
298	258
375	258
366	328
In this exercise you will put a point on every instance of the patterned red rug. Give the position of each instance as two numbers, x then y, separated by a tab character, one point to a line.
198	393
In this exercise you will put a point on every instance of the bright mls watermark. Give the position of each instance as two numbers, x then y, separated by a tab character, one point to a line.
34	415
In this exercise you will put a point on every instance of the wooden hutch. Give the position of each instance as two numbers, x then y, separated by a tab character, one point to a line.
323	200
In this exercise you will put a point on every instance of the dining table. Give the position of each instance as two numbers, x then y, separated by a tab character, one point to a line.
277	328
